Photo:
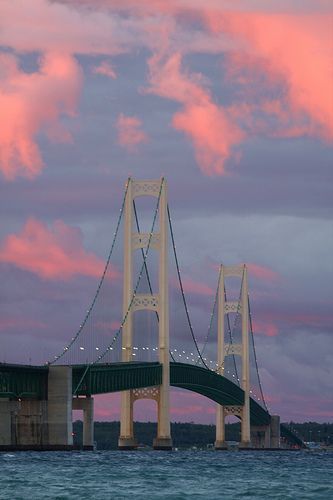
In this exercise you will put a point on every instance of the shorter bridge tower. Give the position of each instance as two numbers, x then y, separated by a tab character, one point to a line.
155	302
241	349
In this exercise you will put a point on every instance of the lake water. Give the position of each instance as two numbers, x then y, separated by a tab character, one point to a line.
173	475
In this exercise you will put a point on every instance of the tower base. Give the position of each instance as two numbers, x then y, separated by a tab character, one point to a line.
160	443
127	444
244	445
220	445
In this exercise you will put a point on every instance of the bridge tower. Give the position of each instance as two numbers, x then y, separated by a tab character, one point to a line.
158	302
226	349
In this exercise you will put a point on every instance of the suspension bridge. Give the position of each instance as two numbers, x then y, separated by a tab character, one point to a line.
137	337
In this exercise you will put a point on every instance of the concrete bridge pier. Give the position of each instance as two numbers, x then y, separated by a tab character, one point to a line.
220	443
7	408
267	436
275	431
23	423
261	436
126	439
87	405
60	407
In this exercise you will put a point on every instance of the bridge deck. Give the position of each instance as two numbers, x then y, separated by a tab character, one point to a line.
22	381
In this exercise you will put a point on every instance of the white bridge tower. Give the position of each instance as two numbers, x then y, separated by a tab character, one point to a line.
158	302
226	349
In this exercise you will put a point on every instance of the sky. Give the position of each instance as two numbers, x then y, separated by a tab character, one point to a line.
230	101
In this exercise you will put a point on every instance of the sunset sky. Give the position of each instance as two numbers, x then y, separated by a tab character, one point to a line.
231	101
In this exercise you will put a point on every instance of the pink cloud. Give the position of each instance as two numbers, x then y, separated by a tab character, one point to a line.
303	68
310	319
55	254
209	126
31	102
106	69
267	328
272	322
262	272
44	26
130	134
253	43
115	325
13	323
192	286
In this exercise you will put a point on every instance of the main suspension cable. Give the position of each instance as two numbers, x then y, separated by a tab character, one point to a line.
76	336
255	354
182	291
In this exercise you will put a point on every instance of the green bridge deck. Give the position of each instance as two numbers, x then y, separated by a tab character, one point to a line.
22	381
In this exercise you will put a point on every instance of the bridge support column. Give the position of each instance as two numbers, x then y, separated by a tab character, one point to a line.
126	440
220	443
261	436
163	440
245	427
87	405
275	431
5	422
60	407
31	422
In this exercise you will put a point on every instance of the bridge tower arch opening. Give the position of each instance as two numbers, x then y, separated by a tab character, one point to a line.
158	302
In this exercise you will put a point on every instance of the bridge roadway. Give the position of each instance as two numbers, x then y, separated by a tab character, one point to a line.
30	382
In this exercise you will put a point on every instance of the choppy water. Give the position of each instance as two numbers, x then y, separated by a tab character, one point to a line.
173	475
